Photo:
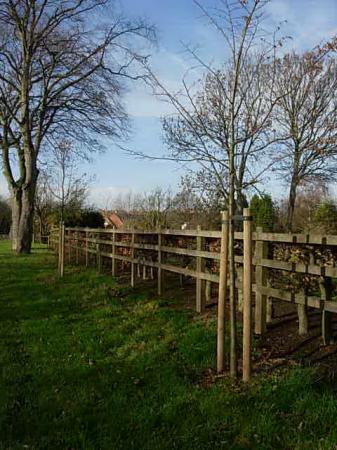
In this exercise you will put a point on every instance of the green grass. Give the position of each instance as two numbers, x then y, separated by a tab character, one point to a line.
88	364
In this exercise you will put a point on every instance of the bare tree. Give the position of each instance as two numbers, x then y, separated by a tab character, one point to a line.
153	208
202	134
199	200
44	204
66	185
306	118
308	197
124	201
61	73
147	210
226	127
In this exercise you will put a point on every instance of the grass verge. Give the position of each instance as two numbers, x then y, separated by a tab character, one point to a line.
90	364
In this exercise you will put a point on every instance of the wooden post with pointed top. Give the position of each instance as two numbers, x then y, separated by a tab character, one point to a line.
247	295
222	293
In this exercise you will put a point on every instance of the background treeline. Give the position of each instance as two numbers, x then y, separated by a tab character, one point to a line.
315	210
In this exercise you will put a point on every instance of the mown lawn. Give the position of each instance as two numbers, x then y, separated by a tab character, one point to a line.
89	364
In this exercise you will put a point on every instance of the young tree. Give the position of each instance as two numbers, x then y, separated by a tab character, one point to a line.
62	67
153	208
65	184
306	118
199	200
44	205
226	126
147	210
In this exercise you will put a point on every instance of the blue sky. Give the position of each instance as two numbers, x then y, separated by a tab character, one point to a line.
308	22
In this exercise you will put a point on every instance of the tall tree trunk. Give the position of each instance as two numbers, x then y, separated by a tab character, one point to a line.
16	214
242	201
291	204
22	217
25	232
293	188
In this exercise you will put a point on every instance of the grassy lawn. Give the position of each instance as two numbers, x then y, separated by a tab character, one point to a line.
89	364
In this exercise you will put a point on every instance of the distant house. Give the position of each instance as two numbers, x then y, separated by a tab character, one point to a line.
112	219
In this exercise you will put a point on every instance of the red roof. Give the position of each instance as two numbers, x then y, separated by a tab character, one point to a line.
112	219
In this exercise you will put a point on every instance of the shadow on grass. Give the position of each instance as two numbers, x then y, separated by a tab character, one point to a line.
89	364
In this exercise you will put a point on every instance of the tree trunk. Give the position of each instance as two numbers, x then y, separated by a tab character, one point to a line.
22	218
242	202
232	288
291	204
16	213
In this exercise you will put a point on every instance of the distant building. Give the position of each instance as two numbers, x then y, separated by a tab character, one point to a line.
112	219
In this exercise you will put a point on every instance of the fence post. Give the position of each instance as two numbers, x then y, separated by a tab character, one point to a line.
261	252
69	247
86	248
247	294
61	249
77	249
327	331
222	293
302	312
208	291
159	271
270	307
113	251
98	255
200	299
132	259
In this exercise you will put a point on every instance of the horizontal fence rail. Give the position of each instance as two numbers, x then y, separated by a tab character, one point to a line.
196	254
314	239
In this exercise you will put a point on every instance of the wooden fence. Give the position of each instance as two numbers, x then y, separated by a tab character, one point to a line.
295	268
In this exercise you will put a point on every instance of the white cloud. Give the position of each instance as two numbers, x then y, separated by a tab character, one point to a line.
308	22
